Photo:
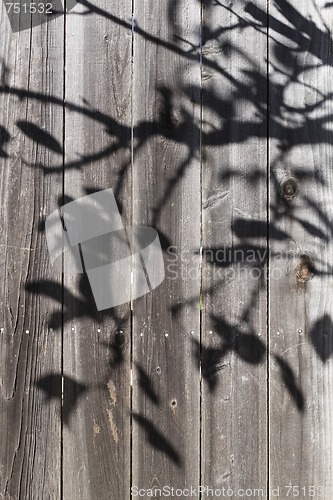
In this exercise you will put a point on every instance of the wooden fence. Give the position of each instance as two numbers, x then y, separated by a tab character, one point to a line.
212	122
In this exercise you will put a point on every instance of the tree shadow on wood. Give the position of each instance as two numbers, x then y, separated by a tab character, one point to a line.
321	336
247	346
290	382
146	384
65	390
157	440
177	124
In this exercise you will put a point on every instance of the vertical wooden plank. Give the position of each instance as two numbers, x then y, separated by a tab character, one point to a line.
166	187
30	338
300	56
96	434
234	176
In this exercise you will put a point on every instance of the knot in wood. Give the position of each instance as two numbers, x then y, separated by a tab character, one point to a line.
305	269
289	188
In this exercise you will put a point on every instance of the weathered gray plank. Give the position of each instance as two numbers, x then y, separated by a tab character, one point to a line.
166	195
234	408
30	339
300	55
96	358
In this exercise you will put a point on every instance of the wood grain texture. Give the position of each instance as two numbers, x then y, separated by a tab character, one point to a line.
300	56
221	376
30	343
166	195
96	437
234	219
